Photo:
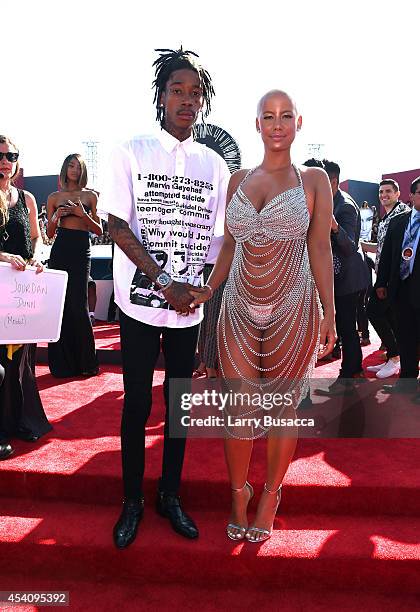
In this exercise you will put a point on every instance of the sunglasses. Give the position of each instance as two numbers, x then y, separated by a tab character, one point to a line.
11	157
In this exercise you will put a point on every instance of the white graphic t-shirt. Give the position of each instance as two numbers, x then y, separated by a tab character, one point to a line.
173	195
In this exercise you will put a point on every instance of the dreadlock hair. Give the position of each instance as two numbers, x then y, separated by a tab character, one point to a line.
169	61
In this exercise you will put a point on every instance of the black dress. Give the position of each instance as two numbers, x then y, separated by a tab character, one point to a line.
21	411
74	354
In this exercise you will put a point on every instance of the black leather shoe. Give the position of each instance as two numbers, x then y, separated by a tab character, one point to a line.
336	352
169	506
5	450
125	529
26	435
89	373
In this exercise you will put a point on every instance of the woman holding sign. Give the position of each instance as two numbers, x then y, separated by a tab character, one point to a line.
71	216
21	412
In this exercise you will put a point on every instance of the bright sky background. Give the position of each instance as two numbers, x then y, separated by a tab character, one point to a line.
82	70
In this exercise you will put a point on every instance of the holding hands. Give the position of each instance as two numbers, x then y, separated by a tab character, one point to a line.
200	295
178	295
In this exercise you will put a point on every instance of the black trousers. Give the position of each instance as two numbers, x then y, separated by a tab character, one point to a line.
408	332
381	315
140	347
362	320
345	318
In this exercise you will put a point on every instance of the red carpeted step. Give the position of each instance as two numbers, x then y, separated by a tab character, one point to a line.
336	530
80	459
135	596
74	541
330	476
337	476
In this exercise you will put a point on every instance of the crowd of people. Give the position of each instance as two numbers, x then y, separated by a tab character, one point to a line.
287	262
104	238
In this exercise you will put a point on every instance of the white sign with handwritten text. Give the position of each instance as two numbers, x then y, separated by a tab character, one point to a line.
31	305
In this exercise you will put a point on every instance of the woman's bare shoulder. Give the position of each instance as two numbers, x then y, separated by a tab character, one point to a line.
312	175
30	201
28	195
237	177
54	195
91	193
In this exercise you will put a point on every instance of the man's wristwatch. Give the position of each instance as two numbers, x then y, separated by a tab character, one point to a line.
164	281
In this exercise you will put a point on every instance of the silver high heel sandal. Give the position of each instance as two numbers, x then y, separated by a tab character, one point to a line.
240	530
258	534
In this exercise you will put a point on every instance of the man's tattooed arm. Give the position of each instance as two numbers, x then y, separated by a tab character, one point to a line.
178	294
132	247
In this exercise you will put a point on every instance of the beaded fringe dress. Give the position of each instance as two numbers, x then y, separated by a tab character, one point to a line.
268	328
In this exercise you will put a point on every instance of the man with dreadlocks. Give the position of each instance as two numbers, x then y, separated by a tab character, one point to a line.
164	198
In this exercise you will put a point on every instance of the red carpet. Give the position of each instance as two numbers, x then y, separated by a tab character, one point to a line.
107	336
347	533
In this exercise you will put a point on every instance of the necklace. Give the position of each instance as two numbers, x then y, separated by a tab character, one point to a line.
8	195
5	214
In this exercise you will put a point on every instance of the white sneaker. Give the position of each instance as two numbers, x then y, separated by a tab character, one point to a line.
389	369
376	368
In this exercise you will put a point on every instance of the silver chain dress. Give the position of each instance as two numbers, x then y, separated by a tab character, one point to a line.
268	329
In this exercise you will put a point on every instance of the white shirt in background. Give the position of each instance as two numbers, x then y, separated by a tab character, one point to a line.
366	217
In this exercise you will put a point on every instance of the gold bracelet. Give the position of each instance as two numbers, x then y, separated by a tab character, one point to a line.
211	289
